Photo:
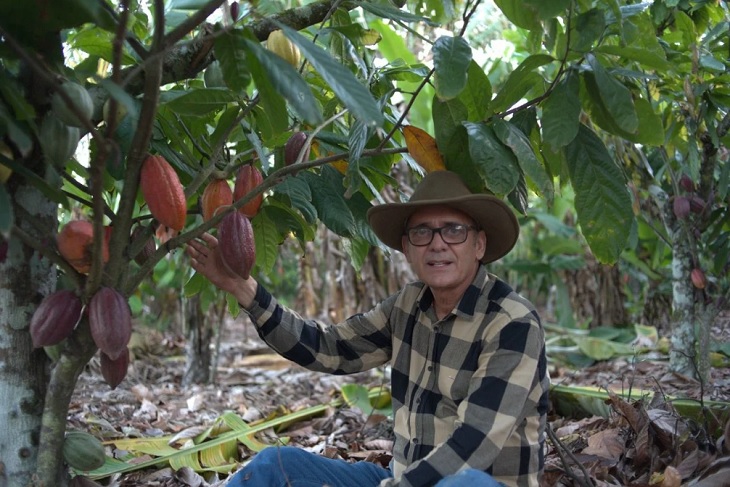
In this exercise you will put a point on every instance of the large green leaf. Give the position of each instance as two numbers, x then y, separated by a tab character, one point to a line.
495	162
615	96
97	42
451	59
328	198
518	142
288	82
448	116
602	201
231	52
300	196
520	81
561	112
267	240
350	91
477	94
385	11
201	101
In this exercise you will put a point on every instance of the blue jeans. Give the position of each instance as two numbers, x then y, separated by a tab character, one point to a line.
289	466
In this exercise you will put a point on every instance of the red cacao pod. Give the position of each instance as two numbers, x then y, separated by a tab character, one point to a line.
294	146
696	204
110	321
686	183
75	245
148	249
681	207
217	194
163	192
698	278
55	318
114	370
236	244
248	178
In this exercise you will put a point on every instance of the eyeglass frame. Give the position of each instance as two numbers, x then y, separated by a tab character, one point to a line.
438	230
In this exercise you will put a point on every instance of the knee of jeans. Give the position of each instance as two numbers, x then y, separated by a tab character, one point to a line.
273	455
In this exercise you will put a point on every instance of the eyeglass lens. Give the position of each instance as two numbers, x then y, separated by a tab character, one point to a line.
453	233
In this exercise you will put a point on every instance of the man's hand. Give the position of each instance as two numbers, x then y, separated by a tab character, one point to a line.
206	259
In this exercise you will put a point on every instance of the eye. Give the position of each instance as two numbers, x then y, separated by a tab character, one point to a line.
421	231
454	229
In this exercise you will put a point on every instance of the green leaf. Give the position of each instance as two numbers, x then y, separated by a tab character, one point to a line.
353	94
386	11
520	13
7	216
300	196
588	28
97	42
518	142
495	162
230	51
267	240
477	95
328	198
602	202
643	56
451	59
615	96
561	112
520	81
201	101
288	82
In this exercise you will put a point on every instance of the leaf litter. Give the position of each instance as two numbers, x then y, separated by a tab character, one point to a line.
635	440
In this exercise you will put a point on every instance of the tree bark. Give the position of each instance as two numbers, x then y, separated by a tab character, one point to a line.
199	337
25	278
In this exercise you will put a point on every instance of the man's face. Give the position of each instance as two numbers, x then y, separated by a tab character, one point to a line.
446	268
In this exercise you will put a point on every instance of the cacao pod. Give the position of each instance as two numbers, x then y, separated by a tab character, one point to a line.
81	100
119	112
698	278
686	183
248	178
163	192
284	48
236	244
55	318
234	11
75	245
114	370
293	147
58	140
148	249
217	194
110	322
213	76
681	207
696	204
83	451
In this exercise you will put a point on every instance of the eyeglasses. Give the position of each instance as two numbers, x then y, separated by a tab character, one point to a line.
452	233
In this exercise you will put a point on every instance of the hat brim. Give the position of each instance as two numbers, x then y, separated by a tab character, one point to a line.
490	213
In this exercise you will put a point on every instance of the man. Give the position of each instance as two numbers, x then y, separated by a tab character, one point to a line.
469	373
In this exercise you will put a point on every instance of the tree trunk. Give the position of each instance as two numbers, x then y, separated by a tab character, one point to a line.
199	338
25	278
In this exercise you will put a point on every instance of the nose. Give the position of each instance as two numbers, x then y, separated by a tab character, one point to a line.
440	243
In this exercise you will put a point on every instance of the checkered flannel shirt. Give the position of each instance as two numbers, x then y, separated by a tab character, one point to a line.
469	390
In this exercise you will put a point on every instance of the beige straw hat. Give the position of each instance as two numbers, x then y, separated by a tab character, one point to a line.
446	188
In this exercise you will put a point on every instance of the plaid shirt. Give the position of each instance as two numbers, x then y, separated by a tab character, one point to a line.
469	390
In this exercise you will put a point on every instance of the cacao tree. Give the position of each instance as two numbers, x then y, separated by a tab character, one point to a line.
617	100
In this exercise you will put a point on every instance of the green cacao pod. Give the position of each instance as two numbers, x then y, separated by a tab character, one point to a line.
114	370
83	451
236	244
294	146
110	321
248	178
55	318
81	100
58	140
163	192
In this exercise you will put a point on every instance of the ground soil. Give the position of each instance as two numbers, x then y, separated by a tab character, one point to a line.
256	384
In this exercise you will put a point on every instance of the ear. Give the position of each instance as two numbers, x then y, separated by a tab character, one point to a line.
481	244
405	246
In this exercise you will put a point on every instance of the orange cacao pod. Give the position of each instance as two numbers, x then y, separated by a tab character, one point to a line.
75	245
55	318
114	370
236	244
163	192
293	147
216	195
110	321
698	278
248	178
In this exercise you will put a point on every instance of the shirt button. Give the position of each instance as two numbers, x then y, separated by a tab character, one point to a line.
415	441
430	368
436	329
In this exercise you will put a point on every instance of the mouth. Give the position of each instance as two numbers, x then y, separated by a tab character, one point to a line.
438	263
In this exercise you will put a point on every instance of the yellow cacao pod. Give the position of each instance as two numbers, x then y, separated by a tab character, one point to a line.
284	48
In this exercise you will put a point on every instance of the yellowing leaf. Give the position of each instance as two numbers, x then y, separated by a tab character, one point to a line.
422	147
